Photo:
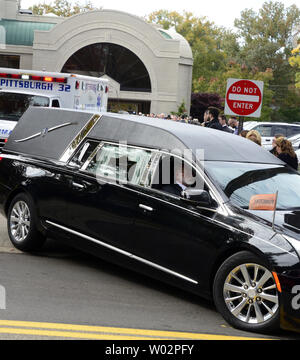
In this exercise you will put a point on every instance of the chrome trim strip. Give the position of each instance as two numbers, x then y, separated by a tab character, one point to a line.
144	207
89	159
78	139
122	252
44	132
80	186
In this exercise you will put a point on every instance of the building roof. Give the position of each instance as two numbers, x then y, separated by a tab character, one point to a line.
185	48
22	32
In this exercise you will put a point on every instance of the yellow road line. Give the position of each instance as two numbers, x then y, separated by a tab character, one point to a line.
103	333
70	334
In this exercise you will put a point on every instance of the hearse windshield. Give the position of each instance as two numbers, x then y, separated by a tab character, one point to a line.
240	181
13	105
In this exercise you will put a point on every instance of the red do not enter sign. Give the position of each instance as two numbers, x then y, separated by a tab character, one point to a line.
244	97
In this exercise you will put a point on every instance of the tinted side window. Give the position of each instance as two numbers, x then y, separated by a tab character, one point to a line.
82	155
55	103
293	130
173	175
279	130
264	130
121	164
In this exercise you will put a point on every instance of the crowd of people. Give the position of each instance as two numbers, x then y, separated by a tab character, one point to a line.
281	147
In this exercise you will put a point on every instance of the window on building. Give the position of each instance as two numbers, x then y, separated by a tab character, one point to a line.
10	61
113	60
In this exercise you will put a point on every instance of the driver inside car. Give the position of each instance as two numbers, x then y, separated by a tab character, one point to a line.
183	178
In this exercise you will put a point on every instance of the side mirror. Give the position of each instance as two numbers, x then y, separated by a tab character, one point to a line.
199	198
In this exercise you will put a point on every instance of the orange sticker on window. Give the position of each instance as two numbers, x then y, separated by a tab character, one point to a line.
263	202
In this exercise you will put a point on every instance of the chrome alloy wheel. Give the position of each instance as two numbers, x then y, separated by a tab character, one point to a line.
250	293
19	221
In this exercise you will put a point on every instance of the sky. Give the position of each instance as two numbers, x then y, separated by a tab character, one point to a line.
221	12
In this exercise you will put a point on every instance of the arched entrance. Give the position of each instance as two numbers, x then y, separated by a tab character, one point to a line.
118	63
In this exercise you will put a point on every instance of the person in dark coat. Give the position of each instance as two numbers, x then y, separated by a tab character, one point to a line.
234	125
223	122
213	123
183	179
286	153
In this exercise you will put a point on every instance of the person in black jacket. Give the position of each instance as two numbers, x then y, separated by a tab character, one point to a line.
223	122
286	152
183	179
213	121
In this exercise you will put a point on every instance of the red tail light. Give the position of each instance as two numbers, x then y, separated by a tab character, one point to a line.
36	78
60	80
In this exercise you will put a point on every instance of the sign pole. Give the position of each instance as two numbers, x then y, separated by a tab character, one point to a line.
241	124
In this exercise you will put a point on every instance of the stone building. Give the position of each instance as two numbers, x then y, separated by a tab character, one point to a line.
150	69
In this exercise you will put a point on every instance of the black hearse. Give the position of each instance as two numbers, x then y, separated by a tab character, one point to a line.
108	184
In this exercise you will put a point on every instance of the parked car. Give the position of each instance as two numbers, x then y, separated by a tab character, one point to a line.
298	154
295	140
105	183
268	130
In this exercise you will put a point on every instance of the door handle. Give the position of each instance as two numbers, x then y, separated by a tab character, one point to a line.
79	186
145	207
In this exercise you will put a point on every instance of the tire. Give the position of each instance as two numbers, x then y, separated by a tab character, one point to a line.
246	295
21	224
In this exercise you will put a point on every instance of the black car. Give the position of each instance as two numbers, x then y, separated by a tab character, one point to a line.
166	199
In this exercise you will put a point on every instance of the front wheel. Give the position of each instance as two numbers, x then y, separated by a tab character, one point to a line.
21	224
246	295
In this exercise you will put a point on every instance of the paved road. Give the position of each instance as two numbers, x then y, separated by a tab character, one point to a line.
61	293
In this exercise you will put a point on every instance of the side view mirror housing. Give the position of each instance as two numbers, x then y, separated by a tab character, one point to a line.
199	198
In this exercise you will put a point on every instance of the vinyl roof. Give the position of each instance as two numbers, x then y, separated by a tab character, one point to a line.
214	145
169	135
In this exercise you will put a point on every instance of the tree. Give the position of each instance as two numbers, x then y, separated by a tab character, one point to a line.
181	110
62	8
266	36
266	43
295	62
201	101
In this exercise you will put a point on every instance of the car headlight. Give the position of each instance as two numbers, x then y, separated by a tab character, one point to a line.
294	242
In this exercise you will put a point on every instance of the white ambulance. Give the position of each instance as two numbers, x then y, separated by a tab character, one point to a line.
20	89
